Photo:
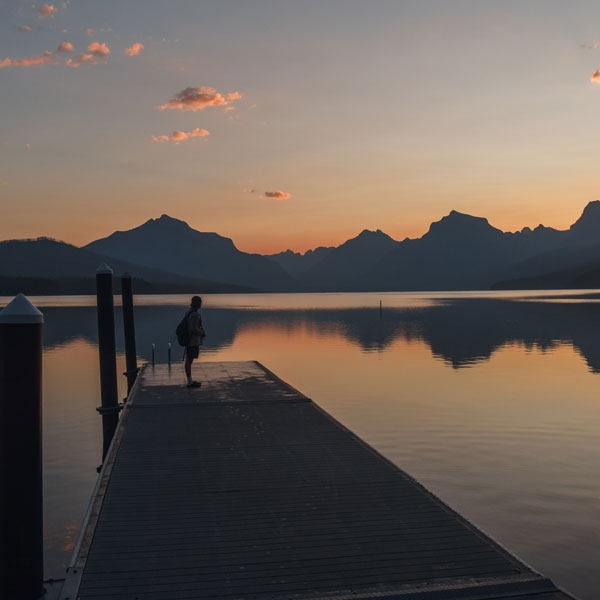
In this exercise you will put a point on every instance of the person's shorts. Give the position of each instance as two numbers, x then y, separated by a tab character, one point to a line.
192	351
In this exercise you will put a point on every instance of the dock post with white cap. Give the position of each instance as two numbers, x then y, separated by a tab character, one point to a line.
108	355
21	492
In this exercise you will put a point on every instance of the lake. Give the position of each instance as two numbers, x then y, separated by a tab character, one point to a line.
490	399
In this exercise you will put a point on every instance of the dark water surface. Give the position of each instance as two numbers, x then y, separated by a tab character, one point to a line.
491	400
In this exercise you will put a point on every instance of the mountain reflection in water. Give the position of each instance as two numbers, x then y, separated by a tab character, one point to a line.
462	332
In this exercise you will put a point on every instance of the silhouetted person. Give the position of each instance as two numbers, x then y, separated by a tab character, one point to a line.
196	331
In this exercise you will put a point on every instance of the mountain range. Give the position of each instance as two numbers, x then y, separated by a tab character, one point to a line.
458	252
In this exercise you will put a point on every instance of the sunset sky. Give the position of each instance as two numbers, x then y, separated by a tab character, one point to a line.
291	124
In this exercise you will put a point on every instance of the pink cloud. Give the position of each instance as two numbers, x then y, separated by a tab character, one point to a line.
178	136
198	98
97	49
82	59
278	194
248	190
596	77
65	47
90	31
47	10
24	28
134	49
46	58
593	46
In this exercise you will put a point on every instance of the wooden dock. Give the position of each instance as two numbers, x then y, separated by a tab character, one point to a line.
246	489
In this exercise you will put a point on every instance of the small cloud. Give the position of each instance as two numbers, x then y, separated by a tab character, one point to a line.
82	59
65	47
24	28
134	49
229	108
97	49
46	58
248	190
593	46
5	183
178	136
47	10
28	146
278	194
596	77
90	31
65	4
198	98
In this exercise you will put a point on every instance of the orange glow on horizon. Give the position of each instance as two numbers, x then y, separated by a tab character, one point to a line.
274	232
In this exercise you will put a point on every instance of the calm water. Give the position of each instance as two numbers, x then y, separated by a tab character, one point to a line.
491	400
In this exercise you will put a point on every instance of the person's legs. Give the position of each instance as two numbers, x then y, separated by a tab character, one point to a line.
191	353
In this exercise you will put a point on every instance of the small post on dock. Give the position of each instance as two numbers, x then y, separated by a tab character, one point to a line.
129	331
380	309
21	491
169	354
108	355
153	353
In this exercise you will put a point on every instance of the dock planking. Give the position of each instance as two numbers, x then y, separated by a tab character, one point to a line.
246	489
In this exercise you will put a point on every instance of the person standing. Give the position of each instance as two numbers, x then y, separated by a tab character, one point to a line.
196	334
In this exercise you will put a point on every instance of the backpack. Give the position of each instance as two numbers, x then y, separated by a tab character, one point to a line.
183	332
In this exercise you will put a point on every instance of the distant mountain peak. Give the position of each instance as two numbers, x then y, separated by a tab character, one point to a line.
589	221
455	215
370	234
166	221
461	224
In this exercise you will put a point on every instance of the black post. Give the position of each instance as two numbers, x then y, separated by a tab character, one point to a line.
21	491
129	331
169	354
108	355
153	351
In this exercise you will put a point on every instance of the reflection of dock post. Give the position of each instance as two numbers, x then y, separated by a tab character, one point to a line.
108	356
129	331
21	491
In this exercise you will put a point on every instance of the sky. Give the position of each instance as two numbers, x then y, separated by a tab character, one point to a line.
287	124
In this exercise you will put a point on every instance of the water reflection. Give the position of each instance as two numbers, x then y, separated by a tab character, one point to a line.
491	402
462	332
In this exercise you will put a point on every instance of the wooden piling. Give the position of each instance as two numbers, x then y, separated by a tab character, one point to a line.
129	330
107	354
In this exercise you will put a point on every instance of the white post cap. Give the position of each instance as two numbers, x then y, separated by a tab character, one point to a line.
103	268
20	311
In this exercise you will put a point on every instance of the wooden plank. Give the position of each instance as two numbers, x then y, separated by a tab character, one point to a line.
245	488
